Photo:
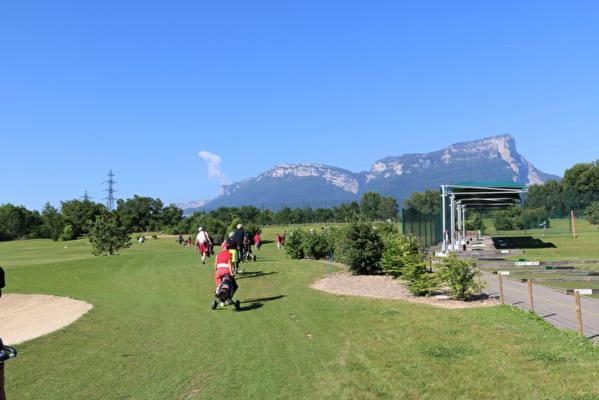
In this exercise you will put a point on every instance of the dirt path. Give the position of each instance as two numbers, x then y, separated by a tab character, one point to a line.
385	287
27	316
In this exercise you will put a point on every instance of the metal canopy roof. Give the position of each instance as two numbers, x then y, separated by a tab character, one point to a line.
487	194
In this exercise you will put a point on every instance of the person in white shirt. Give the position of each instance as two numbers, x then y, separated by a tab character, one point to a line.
203	243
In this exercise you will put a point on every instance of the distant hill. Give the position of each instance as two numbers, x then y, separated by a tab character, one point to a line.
317	185
189	207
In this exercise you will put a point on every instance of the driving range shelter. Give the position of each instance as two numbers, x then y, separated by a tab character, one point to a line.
460	197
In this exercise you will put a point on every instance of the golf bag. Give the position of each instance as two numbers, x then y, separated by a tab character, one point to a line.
224	293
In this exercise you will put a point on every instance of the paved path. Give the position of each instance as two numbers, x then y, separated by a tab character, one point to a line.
555	307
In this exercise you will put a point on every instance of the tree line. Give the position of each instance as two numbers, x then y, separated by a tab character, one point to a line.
74	218
577	191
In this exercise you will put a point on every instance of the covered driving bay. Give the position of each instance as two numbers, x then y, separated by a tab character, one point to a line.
457	199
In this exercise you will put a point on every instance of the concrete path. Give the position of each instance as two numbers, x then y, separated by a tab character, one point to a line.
557	308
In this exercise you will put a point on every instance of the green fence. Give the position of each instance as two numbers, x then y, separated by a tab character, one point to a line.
426	227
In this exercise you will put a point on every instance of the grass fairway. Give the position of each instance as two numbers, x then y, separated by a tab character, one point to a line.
585	246
152	335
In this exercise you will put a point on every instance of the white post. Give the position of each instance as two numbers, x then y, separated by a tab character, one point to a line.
464	224
459	224
452	222
444	217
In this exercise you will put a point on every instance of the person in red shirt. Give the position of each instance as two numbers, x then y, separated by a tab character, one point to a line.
257	240
223	265
279	240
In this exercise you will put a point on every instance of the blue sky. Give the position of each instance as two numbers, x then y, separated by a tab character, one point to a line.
143	86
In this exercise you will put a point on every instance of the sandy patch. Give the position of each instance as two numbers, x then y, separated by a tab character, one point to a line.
27	316
385	287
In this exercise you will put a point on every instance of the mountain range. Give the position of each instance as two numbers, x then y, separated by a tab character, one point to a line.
317	185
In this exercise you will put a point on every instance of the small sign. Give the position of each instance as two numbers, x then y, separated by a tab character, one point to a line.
526	263
505	252
584	291
503	272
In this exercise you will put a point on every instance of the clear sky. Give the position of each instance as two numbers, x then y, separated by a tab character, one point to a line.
143	86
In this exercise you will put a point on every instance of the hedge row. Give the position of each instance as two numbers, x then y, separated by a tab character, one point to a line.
380	248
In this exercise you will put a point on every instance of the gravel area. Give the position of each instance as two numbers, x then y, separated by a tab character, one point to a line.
385	287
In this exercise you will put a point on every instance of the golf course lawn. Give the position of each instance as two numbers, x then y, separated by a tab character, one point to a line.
585	246
152	335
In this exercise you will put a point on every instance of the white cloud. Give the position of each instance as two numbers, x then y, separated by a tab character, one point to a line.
213	163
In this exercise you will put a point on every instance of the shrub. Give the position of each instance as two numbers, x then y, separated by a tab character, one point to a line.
462	276
360	247
419	280
517	218
316	244
67	233
386	229
592	213
400	250
533	218
475	223
252	229
294	244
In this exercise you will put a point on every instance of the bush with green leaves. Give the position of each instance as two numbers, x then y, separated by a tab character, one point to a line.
67	233
386	229
107	235
317	245
591	213
400	251
518	218
461	276
294	244
419	279
360	247
475	222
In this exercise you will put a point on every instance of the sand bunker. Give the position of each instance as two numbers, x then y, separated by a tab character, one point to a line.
27	316
385	287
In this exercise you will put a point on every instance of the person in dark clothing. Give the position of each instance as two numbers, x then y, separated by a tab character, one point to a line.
239	235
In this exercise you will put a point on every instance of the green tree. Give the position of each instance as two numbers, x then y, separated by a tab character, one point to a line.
107	235
592	213
294	244
360	247
550	196
140	214
79	213
347	212
427	202
370	204
581	185
249	214
17	222
53	222
170	216
266	217
67	233
474	221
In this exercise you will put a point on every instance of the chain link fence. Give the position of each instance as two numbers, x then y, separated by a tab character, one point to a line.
426	227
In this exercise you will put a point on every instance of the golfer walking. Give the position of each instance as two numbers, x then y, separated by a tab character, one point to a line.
203	243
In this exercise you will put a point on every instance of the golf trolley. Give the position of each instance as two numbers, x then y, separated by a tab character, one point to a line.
6	352
224	294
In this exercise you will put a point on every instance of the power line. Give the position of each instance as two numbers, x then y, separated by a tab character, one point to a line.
110	190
